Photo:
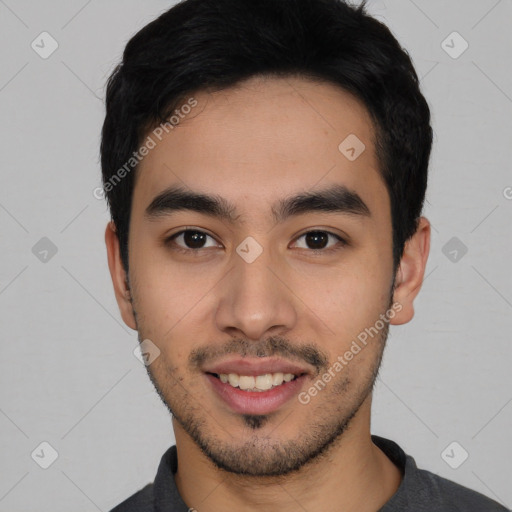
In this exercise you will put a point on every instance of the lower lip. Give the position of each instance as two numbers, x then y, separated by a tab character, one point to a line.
256	402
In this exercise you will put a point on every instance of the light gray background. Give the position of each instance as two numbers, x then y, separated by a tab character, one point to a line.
68	374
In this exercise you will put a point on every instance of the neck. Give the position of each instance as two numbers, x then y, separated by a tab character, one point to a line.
352	475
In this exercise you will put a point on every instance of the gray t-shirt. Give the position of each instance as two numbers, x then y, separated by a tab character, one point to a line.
419	491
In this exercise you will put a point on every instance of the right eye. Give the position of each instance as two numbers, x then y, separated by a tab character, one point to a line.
189	240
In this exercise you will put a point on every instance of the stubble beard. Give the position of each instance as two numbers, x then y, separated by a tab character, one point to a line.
262	455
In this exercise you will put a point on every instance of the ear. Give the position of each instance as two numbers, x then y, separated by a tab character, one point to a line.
119	277
409	277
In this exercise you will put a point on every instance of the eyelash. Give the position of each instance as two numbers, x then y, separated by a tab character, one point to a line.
170	241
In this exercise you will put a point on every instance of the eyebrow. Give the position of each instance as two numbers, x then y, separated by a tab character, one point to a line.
333	199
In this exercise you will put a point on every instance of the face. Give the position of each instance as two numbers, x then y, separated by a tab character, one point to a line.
257	292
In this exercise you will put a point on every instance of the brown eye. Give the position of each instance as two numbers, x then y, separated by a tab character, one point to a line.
194	239
318	240
191	240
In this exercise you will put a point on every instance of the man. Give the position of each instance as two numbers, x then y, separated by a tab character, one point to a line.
265	163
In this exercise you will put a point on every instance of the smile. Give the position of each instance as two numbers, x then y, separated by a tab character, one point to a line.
256	382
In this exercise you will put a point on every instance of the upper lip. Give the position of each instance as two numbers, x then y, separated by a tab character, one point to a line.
255	366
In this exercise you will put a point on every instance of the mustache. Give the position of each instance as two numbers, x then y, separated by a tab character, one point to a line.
272	346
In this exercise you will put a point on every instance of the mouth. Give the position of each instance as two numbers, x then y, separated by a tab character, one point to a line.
256	388
255	383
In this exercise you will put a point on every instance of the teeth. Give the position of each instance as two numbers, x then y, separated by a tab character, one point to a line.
264	381
233	379
258	383
277	379
246	382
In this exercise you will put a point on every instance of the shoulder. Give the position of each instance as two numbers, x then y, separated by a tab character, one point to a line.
161	493
141	501
451	496
424	491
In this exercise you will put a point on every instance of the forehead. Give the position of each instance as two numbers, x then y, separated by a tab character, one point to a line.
265	138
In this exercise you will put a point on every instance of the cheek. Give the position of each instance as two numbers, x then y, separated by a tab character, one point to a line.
173	305
166	291
348	298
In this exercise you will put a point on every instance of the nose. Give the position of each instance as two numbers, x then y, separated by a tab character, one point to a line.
256	299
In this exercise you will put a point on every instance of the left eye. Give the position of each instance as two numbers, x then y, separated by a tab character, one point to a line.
319	240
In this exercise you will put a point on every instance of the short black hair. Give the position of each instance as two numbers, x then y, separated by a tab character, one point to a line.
217	44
